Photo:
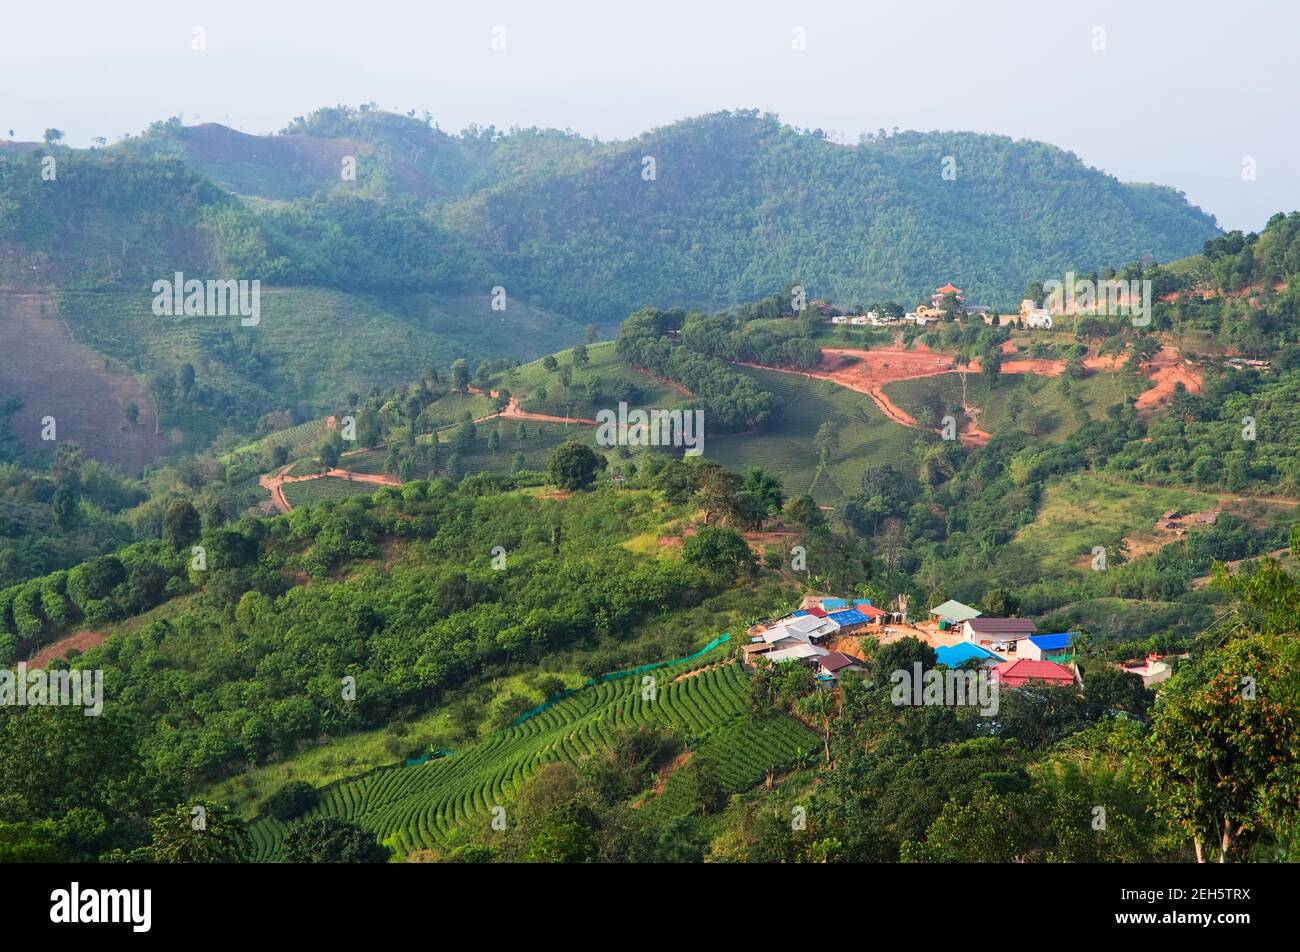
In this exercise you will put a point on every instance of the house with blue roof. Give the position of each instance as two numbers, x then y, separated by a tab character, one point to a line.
954	656
1045	647
849	619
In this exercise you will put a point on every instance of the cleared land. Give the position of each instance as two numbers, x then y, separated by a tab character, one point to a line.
54	375
787	448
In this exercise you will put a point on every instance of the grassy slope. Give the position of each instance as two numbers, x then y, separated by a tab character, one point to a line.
317	345
998	405
787	447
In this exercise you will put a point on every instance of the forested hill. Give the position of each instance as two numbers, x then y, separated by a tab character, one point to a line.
740	204
708	211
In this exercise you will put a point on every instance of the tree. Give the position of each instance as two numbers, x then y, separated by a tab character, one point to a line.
1220	756
291	800
592	333
521	434
803	511
494	442
460	376
329	456
580	356
574	466
721	552
213	834
53	136
66	508
455	467
827	440
332	840
132	412
517	463
549	363
181	524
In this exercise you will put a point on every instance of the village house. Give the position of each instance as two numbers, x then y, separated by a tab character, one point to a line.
1152	669
952	613
1045	647
954	656
831	665
998	631
1018	673
1034	316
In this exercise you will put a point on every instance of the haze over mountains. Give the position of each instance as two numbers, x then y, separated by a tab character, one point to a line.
379	239
735	205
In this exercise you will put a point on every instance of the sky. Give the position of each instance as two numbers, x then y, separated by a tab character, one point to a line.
1198	95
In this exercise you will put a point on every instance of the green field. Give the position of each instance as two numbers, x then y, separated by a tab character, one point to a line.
787	448
326	487
539	443
1027	402
527	381
423	806
1085	509
312	346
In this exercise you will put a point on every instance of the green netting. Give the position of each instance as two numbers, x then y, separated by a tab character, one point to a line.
615	675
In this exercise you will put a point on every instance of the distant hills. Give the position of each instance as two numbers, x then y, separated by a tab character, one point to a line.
411	227
724	208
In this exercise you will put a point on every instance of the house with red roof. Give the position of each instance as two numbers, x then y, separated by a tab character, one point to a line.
1018	673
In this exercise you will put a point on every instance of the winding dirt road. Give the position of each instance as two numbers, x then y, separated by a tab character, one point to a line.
274	482
869	371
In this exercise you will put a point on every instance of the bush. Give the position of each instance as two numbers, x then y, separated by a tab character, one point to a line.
291	801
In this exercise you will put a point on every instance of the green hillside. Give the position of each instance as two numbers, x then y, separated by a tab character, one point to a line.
1043	406
424	806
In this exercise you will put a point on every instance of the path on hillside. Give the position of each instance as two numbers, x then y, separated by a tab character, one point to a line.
274	482
514	411
871	370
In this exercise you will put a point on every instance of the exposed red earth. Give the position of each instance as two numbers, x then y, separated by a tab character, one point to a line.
868	371
82	641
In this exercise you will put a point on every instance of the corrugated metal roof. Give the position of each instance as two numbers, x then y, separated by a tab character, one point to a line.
850	616
1051	642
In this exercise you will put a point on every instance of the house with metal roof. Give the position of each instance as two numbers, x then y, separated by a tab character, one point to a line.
992	630
1044	647
1018	673
849	619
954	656
831	665
798	652
954	612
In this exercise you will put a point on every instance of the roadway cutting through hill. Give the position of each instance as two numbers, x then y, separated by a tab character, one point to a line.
869	371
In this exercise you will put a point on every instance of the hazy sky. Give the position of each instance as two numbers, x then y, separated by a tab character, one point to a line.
1181	93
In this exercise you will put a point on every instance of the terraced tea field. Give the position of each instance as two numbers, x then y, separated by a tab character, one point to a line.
419	807
309	491
539	443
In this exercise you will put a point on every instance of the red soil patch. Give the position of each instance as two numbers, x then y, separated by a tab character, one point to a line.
1168	370
868	371
82	641
55	376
